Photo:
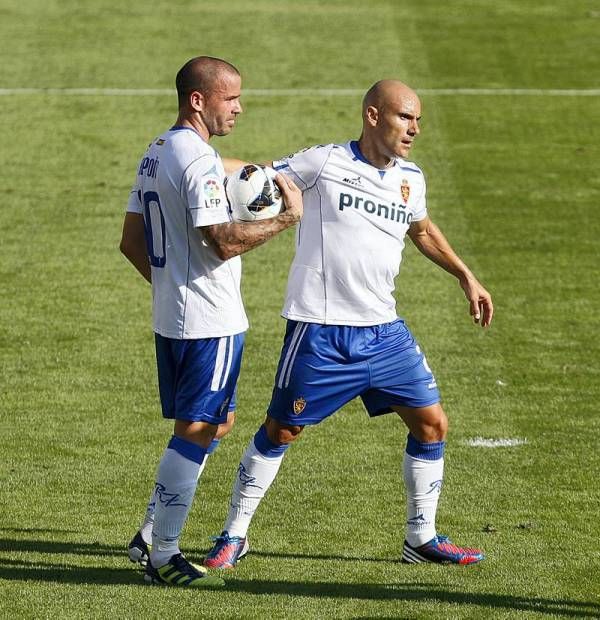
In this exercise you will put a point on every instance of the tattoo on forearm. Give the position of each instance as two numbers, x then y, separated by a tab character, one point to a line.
235	238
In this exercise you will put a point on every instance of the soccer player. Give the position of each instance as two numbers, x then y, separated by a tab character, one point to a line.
178	234
344	338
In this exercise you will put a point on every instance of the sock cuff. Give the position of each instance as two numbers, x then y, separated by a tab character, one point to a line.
187	449
425	451
214	444
266	447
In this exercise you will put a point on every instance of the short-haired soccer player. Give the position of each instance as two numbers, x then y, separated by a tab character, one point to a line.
178	234
344	338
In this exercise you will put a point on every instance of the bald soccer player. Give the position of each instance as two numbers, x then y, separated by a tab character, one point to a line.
344	338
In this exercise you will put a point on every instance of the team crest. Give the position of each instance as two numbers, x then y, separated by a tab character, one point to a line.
299	405
405	190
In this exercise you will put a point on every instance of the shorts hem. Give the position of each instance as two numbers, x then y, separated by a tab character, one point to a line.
199	417
412	405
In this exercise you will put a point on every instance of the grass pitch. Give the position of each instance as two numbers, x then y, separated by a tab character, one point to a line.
512	182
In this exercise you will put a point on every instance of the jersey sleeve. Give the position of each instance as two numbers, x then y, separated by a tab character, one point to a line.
134	204
203	190
304	167
420	208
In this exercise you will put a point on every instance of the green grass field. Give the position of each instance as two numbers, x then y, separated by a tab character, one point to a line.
513	182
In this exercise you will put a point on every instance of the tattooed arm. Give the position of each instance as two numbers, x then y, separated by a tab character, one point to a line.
233	238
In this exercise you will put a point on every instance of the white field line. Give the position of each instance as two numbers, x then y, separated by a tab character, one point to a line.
481	442
305	92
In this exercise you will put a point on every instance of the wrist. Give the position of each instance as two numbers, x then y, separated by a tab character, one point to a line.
466	278
289	217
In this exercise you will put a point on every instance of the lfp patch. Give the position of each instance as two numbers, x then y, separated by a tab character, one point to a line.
212	192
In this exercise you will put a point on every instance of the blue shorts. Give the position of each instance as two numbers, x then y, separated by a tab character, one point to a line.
322	367
197	379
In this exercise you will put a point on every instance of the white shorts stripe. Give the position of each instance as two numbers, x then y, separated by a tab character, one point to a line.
219	364
288	373
229	360
291	354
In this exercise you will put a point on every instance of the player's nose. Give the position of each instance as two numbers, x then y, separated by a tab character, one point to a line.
415	129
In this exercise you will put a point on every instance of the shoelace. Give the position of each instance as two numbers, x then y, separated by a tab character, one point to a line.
222	543
225	539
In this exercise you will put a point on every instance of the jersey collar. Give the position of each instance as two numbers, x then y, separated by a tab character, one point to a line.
358	155
184	128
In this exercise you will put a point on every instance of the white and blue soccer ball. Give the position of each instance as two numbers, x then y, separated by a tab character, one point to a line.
253	194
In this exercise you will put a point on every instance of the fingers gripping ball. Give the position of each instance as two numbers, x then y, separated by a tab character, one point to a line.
253	194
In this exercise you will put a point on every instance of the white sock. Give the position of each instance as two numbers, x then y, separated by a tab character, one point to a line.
423	480
176	483
148	522
255	474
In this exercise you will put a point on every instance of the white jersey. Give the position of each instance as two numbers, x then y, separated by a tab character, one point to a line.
351	236
179	187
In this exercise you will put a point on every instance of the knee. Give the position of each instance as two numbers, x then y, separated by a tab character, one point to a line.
432	428
437	428
281	433
226	426
441	428
200	433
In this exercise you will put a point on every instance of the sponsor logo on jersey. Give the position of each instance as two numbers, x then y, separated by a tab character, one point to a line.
212	192
394	212
299	405
405	190
353	181
160	142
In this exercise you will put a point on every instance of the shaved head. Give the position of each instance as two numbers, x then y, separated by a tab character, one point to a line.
384	91
203	74
391	112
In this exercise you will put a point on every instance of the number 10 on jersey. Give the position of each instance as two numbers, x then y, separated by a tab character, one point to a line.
154	227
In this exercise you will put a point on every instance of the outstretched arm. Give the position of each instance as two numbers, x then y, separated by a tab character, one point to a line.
431	242
233	238
133	243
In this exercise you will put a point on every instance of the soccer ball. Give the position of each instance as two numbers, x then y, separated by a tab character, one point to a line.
253	194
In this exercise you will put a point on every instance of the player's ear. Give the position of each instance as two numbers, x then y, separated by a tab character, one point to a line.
196	99
372	115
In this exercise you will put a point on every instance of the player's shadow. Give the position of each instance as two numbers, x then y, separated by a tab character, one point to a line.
100	549
416	592
24	570
52	546
19	569
16	568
